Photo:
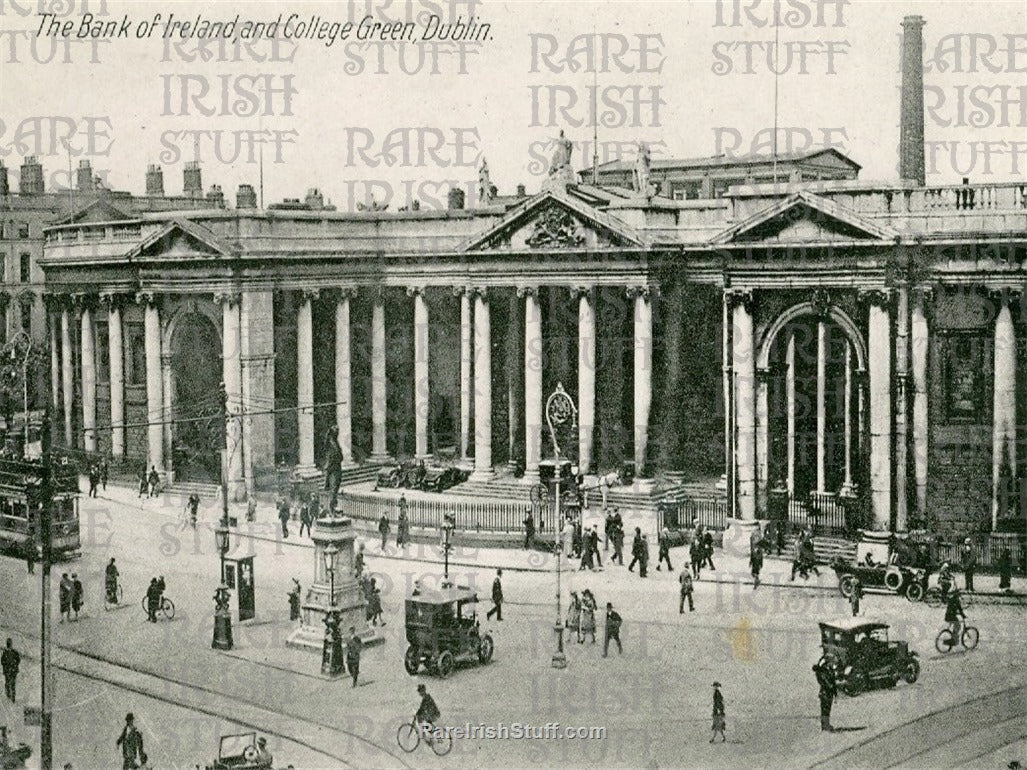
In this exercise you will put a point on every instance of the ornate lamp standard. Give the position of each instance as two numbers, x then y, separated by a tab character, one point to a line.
331	655
448	525
559	409
222	616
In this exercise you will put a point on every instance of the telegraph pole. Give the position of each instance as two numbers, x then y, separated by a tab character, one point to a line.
46	674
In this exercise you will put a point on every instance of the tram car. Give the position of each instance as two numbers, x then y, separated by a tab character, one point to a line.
21	495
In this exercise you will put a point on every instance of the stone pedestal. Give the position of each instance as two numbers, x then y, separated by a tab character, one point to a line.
348	600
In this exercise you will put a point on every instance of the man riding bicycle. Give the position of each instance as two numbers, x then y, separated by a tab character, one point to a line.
111	582
945	580
954	614
428	712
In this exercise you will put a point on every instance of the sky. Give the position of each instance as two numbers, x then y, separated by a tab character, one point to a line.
394	121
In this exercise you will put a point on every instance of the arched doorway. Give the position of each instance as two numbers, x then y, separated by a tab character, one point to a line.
196	428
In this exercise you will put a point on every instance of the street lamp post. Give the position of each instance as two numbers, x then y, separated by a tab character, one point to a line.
331	654
559	409
46	672
222	615
448	525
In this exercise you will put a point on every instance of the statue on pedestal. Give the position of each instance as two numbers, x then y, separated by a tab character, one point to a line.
643	166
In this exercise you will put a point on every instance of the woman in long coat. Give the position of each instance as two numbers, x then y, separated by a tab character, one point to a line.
588	617
574	614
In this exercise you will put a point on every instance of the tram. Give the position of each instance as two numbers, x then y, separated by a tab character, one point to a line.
21	488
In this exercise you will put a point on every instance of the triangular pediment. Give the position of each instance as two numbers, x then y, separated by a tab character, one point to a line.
553	220
804	218
100	210
181	239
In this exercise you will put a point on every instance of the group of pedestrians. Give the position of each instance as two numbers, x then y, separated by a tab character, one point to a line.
700	550
72	597
402	526
149	483
98	475
306	508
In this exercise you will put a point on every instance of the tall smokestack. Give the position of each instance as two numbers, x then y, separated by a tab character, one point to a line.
911	127
192	184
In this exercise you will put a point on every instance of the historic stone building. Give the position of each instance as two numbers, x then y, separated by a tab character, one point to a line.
851	340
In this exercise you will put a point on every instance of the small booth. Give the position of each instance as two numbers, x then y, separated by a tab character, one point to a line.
239	578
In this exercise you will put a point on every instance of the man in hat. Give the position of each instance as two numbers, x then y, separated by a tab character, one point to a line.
264	757
428	713
612	629
10	661
529	528
954	615
131	743
685	578
497	598
353	645
719	721
968	556
664	550
827	694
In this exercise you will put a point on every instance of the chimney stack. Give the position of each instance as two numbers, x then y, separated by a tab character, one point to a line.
31	182
455	198
521	191
192	184
911	127
245	197
5	187
84	176
154	180
215	197
315	200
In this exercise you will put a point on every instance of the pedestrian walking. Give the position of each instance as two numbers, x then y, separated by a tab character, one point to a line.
144	484
529	529
94	480
695	555
593	544
10	661
358	562
577	537
707	545
719	714
612	629
968	557
587	624
110	581
636	550
1005	569
105	473
65	597
607	530
131	743
685	578
643	565
856	596
586	552
402	529
828	692
384	529
77	594
353	645
618	541
568	536
283	515
153	481
756	565
193	507
308	513
756	539
374	604
294	600
663	543
573	622
29	549
497	597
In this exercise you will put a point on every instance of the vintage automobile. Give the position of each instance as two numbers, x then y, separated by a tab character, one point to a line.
442	630
12	755
884	564
390	476
438	478
861	657
241	752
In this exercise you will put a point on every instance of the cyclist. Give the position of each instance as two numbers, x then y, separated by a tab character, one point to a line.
945	580
953	614
111	582
153	595
428	712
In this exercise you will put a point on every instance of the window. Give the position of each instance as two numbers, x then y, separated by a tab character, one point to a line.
26	317
23	229
136	374
25	267
103	361
3	267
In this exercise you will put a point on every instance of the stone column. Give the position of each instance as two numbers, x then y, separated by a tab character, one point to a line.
421	384
1003	453
257	355
586	375
305	378
822	342
643	373
763	482
465	370
154	381
902	387
379	404
55	360
879	343
116	350
167	409
344	374
744	367
847	488
231	375
514	380
790	399
729	406
532	383
67	375
482	387
87	362
920	354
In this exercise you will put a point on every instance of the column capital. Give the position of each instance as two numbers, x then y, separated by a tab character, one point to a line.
148	298
924	294
346	292
480	291
111	300
763	374
1005	294
166	360
460	290
227	297
416	291
904	383
880	298
5	298
822	303
27	298
80	300
582	292
645	291
743	297
527	291
310	294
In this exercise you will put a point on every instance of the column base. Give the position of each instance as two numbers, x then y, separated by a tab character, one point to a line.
559	660
848	490
306	471
721	482
531	476
645	486
379	459
482	474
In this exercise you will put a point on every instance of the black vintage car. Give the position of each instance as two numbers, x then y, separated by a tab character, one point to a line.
861	657
438	478
442	630
893	566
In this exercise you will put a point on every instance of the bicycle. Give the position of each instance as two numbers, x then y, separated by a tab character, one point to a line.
112	598
410	734
166	608
968	638
932	598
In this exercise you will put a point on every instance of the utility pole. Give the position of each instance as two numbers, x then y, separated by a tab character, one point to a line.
223	399
46	674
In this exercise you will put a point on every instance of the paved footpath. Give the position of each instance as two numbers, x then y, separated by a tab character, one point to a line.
732	559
